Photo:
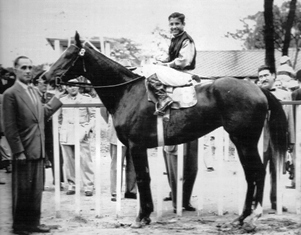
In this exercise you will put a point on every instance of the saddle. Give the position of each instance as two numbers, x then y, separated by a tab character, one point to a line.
183	97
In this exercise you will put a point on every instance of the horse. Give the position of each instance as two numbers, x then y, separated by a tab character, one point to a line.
239	106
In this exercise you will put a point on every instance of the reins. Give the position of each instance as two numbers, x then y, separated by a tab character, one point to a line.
81	53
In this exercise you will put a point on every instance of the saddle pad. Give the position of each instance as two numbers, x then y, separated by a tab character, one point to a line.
183	97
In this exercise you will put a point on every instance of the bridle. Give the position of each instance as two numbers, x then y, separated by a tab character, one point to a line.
81	53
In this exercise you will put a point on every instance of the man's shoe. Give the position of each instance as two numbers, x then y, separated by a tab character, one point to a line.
274	207
21	232
209	169
70	192
89	193
130	195
39	229
186	208
167	199
189	207
20	229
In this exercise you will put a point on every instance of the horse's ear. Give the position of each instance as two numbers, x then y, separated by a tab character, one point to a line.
77	40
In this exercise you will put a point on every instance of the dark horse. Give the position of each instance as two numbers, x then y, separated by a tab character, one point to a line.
239	106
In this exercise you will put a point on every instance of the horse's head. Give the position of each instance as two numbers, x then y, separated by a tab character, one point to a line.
69	65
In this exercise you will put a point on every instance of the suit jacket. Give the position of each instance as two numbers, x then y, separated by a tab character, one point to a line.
1	123
296	95
283	95
24	123
86	118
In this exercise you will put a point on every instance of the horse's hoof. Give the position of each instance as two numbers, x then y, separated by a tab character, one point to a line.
146	221
236	223
248	227
136	225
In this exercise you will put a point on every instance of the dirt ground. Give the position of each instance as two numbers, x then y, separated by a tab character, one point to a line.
205	222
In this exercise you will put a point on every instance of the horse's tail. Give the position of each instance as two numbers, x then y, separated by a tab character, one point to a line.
277	124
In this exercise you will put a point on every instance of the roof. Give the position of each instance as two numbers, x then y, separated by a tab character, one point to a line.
235	63
64	41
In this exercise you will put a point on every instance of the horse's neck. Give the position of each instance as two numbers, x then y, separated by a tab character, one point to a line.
123	98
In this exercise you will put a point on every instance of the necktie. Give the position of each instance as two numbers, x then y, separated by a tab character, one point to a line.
32	96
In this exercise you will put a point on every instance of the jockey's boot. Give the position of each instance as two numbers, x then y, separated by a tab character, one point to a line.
159	89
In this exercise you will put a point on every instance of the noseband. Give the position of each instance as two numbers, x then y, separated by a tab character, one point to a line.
81	53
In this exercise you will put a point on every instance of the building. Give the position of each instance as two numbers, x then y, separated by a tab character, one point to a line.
211	64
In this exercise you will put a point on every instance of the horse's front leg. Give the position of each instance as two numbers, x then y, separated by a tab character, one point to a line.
139	156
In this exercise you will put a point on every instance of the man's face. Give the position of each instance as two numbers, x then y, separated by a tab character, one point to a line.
176	26
42	86
23	70
266	79
72	90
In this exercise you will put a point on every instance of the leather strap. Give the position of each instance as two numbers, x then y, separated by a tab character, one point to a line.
160	132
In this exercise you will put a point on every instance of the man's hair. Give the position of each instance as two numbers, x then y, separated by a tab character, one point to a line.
178	15
265	67
16	61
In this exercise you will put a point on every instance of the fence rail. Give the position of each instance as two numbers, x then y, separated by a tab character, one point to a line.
222	142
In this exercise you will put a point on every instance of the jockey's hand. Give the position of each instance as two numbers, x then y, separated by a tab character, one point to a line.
160	63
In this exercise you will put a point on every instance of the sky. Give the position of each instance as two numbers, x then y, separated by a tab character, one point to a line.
25	24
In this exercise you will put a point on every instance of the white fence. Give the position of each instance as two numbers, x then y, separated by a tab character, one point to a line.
222	142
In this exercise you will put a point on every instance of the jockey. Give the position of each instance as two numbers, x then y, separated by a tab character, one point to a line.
181	57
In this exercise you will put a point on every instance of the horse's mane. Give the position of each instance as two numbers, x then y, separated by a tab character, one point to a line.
111	63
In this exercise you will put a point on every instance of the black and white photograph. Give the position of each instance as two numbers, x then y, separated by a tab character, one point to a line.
150	117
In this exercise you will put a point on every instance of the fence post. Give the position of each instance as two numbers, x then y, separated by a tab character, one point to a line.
180	163
56	153
200	175
298	160
97	163
219	153
77	160
119	178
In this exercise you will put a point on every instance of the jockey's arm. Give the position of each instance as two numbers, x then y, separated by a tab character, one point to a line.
185	58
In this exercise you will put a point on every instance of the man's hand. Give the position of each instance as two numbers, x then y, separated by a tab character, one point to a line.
160	63
58	94
21	158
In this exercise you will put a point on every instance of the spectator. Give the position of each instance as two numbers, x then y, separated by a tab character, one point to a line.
267	78
285	72
7	80
45	96
87	122
23	118
296	95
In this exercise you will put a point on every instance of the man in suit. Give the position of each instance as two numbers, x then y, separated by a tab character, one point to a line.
67	138
296	95
267	78
23	118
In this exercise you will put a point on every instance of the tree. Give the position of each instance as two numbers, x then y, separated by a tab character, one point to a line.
252	33
269	34
126	51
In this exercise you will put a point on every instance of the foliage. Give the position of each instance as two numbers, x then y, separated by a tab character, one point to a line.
252	33
126	51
